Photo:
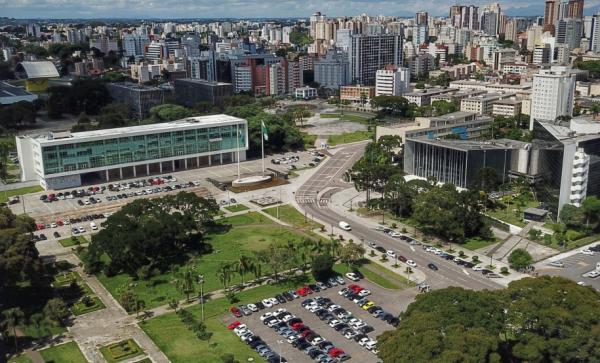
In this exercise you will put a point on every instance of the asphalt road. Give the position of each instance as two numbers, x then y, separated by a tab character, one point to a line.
308	197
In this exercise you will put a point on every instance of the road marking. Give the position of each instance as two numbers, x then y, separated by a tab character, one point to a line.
412	248
465	271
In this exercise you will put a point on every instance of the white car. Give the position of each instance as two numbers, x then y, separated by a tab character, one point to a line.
352	276
317	340
265	315
345	226
477	268
274	301
334	323
395	234
364	341
581	283
93	226
252	307
267	303
411	263
557	264
333	307
588	252
239	328
81	229
391	253
292	338
53	225
364	293
371	344
592	274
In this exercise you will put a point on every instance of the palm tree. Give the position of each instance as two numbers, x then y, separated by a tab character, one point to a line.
12	319
37	320
186	281
243	265
224	274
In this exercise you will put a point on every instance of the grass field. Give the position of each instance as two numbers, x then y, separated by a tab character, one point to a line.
79	308
20	359
345	117
292	216
309	140
120	351
476	243
378	275
236	208
349	137
21	191
64	353
189	349
253	232
71	241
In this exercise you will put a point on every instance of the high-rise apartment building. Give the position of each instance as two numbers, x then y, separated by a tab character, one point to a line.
134	44
332	71
595	34
369	53
568	32
392	81
421	18
552	94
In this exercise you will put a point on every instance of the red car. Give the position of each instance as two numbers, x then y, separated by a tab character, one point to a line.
59	222
335	352
236	312
302	291
306	333
355	288
233	325
297	326
402	258
40	226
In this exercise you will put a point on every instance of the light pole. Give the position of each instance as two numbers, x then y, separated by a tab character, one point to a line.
279	346
201	282
362	240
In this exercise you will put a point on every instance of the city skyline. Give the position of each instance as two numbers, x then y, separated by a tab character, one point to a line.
69	9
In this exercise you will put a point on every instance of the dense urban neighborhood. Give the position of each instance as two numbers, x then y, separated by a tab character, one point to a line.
300	188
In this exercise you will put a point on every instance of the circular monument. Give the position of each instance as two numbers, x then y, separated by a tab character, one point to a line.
251	181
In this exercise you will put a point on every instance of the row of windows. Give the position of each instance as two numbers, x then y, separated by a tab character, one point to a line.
73	157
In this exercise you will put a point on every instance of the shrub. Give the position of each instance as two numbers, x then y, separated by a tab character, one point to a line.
504	270
404	230
461	254
394	225
475	258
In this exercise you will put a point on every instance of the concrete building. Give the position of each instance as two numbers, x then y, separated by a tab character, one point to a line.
422	97
357	94
191	91
482	104
552	94
421	64
140	98
369	53
392	81
305	93
36	74
457	96
60	160
134	45
509	107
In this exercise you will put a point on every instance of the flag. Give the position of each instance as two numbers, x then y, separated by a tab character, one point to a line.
264	130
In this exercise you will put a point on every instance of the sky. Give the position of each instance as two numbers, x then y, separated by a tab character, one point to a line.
244	9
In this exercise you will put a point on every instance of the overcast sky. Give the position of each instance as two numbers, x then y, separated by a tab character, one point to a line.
247	8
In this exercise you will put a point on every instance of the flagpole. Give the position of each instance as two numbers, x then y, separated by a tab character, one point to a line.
262	146
237	136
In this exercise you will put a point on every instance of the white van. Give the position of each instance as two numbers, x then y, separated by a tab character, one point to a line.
345	226
93	226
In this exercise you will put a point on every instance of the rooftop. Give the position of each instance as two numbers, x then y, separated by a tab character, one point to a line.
8	90
41	69
186	123
140	87
467	145
201	81
429	91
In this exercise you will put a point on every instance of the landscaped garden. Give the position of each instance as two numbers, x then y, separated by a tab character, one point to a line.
73	241
377	274
120	351
63	353
236	208
79	296
349	137
290	215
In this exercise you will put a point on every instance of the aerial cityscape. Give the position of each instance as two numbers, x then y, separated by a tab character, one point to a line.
275	181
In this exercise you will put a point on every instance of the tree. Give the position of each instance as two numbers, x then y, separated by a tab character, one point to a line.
591	209
186	282
169	112
572	216
244	265
129	300
56	310
224	274
520	259
351	254
11	319
486	179
322	267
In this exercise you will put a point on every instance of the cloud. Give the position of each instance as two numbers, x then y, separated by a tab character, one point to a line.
241	9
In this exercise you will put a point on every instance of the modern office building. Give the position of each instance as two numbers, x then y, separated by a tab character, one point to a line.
62	160
357	94
509	107
422	97
191	91
482	104
369	53
552	94
140	98
134	45
333	70
392	81
569	31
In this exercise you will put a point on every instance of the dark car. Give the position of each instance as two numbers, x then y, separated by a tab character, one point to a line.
380	249
43	237
259	305
56	234
280	298
366	329
432	266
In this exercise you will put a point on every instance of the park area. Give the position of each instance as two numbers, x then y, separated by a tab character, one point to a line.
250	234
120	351
63	353
290	215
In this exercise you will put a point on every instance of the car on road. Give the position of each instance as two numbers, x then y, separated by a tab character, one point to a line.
432	266
93	226
345	226
477	268
391	253
553	263
588	252
81	229
411	263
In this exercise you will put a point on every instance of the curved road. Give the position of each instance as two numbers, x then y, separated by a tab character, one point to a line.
310	197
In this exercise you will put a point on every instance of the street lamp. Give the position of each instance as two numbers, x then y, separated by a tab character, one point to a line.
362	240
279	346
201	282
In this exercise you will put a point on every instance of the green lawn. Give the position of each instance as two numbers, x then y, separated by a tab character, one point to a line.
251	232
79	308
476	243
26	190
120	351
186	348
378	275
349	137
145	360
572	244
309	140
329	115
64	353
346	117
236	208
292	216
72	241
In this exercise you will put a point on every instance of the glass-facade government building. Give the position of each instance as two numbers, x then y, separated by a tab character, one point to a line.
62	160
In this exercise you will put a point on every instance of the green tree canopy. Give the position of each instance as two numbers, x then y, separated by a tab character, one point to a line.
519	259
322	266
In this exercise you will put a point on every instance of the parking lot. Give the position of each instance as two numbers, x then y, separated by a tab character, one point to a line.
575	267
392	301
45	212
